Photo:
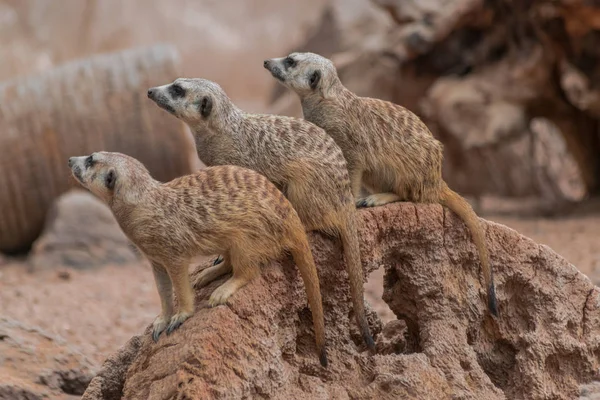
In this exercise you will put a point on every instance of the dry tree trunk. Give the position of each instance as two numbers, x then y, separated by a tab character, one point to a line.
89	105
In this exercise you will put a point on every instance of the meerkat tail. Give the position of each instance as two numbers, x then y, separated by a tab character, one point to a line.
308	271
460	206
349	236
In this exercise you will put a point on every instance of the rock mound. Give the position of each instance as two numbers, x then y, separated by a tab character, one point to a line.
443	345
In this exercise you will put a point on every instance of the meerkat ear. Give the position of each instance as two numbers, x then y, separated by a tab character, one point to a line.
314	79
205	106
110	179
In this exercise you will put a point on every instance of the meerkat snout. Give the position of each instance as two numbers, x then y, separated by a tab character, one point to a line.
76	165
160	95
273	67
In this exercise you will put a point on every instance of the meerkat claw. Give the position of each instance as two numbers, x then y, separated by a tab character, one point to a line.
218	260
158	327
176	321
361	203
156	335
172	326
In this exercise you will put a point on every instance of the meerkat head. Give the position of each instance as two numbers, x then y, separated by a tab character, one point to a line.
105	174
304	73
194	101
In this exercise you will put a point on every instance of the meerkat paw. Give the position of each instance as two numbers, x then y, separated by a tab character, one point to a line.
158	327
223	292
220	295
177	320
378	199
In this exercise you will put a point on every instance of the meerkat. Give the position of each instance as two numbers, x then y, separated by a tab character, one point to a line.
218	210
388	148
297	156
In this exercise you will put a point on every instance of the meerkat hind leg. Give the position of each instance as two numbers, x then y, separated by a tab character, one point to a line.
378	199
165	291
243	272
213	272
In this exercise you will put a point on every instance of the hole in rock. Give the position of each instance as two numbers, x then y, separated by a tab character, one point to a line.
374	293
305	342
499	364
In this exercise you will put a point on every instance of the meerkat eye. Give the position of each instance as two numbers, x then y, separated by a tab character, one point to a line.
289	62
89	162
177	91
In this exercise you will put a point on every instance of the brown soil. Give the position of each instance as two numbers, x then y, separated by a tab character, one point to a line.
96	310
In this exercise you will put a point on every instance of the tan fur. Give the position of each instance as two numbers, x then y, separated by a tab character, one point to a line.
387	147
297	156
219	210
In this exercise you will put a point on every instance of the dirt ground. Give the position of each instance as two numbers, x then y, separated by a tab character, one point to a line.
99	310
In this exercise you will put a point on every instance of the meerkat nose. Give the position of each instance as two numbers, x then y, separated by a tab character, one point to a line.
70	161
266	63
150	92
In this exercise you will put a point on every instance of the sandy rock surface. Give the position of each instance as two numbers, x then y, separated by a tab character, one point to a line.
36	365
544	345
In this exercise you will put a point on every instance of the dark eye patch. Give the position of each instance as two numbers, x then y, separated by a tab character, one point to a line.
289	62
89	162
176	91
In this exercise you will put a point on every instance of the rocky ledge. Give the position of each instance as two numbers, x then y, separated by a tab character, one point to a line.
444	344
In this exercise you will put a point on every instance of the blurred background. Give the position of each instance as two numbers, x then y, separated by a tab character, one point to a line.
512	88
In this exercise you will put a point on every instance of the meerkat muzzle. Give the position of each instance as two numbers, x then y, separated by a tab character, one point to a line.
160	99
274	69
75	168
76	171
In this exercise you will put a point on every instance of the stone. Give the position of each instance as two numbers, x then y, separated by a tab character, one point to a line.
444	343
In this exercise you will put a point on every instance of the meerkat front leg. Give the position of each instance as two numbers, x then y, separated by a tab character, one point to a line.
244	270
184	292
215	271
165	291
